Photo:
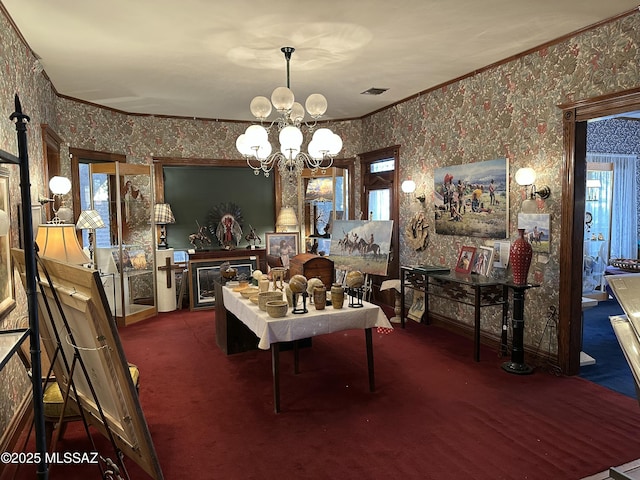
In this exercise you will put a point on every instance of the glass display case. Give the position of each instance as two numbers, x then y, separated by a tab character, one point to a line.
324	197
123	195
597	228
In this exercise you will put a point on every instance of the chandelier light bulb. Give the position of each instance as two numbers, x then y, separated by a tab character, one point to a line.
291	136
282	98
256	135
254	144
297	112
335	145
260	107
316	105
243	145
315	151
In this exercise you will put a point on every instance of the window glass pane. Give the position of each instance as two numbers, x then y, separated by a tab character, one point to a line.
379	204
383	166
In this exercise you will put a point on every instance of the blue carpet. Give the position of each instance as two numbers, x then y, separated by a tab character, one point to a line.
611	369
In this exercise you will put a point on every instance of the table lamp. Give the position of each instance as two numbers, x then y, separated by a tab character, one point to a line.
60	242
90	220
162	215
287	220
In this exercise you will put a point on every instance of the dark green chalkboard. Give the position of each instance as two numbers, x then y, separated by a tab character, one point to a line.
193	191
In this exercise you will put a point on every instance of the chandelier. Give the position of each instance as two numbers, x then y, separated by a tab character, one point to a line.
254	143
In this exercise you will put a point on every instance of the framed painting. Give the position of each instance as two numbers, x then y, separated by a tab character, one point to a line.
417	307
77	325
483	261
472	199
283	245
204	273
464	264
362	245
7	293
537	230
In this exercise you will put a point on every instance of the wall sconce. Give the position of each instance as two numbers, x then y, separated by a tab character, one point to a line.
162	215
90	220
59	187
287	220
409	186
526	177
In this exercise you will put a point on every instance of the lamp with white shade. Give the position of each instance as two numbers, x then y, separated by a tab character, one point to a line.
287	220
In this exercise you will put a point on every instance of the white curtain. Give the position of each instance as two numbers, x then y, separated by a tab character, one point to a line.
624	222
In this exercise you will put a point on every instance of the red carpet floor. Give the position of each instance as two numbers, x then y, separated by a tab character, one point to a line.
436	413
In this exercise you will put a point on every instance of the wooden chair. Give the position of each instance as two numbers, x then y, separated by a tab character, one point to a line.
53	401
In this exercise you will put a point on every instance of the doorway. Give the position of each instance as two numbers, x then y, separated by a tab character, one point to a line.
379	201
575	117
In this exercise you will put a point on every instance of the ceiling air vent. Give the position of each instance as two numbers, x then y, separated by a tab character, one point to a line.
374	91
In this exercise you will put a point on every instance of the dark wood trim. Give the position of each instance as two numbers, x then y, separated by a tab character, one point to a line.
366	159
349	165
575	118
51	154
75	155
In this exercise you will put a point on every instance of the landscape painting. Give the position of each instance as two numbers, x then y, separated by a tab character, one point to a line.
473	199
361	245
537	229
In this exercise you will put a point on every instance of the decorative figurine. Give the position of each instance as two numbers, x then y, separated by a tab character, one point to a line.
225	222
200	237
252	236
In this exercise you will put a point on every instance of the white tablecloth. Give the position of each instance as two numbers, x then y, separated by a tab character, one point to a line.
297	326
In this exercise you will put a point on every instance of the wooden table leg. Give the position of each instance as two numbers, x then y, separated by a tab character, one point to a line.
275	368
372	381
296	357
476	332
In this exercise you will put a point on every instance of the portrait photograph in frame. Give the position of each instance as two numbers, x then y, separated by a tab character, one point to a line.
7	294
464	264
283	245
483	261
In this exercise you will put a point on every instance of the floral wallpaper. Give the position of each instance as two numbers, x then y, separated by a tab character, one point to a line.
508	111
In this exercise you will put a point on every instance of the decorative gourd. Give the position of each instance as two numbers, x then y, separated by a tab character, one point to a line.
298	284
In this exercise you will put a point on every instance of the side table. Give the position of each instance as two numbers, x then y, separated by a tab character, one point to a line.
517	365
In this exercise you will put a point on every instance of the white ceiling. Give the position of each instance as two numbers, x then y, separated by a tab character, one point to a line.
208	59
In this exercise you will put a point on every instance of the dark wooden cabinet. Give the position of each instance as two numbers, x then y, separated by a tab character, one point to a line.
312	266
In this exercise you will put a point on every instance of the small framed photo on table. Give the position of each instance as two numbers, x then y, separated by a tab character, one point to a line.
465	259
283	245
483	261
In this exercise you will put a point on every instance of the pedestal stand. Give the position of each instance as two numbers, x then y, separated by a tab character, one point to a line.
517	365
